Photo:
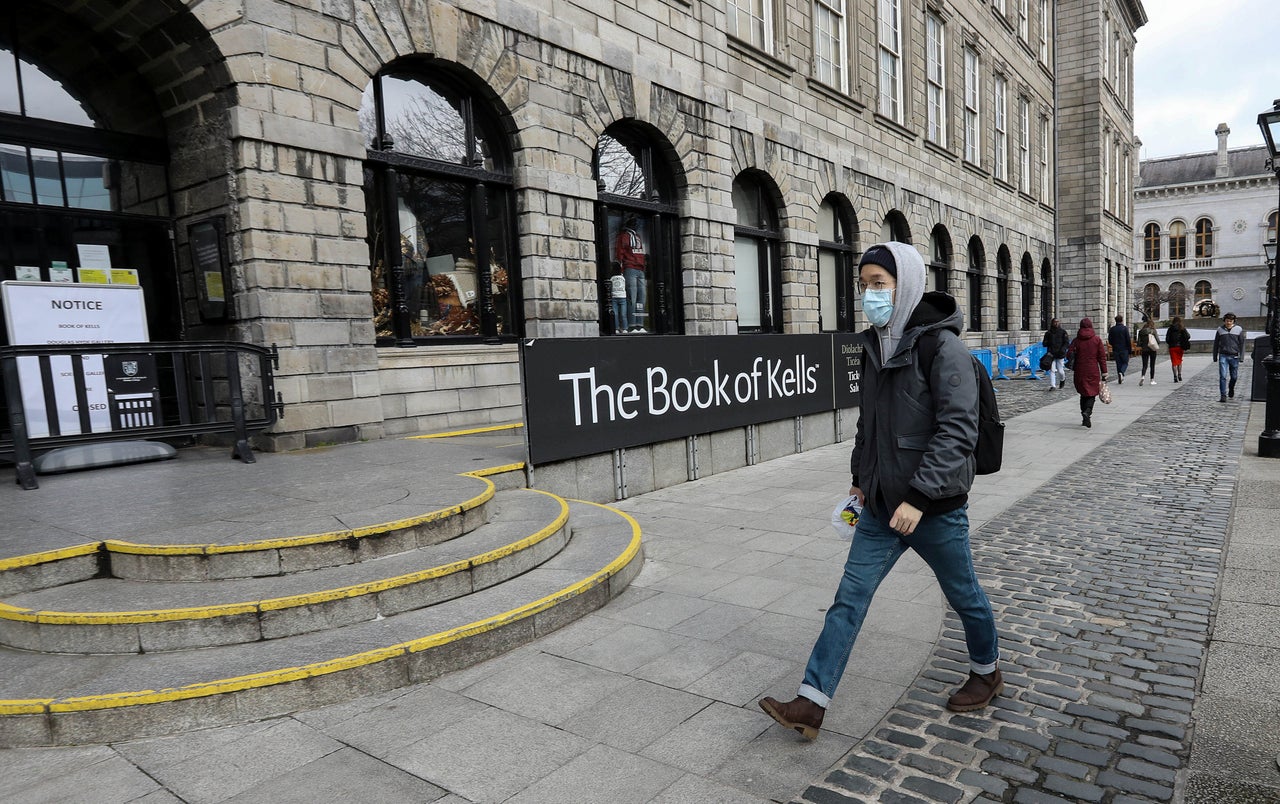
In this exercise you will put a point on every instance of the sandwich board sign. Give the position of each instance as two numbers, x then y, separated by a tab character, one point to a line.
76	315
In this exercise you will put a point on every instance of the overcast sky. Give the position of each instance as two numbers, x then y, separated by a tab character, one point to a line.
1199	64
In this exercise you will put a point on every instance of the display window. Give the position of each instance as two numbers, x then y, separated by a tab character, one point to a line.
440	200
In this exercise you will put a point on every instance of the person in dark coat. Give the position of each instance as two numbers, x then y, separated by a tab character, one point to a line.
1178	340
1121	342
1089	362
1055	342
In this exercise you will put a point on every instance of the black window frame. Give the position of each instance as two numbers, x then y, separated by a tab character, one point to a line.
768	236
974	272
384	166
846	254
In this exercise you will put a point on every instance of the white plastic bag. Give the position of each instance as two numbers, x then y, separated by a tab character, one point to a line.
845	517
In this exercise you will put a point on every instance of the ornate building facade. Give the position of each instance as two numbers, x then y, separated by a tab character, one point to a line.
1201	222
402	189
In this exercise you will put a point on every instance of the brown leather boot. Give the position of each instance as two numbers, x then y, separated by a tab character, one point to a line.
800	714
977	692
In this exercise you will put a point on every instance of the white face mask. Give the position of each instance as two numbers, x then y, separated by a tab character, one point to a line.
878	305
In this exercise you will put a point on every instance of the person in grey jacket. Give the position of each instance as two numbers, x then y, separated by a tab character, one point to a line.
912	466
1228	346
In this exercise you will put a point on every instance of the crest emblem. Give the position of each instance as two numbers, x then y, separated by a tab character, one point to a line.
130	367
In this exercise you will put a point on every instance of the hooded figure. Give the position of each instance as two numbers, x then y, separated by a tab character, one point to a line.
1089	358
912	466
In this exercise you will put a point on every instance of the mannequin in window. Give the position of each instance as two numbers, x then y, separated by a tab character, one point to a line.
629	250
618	301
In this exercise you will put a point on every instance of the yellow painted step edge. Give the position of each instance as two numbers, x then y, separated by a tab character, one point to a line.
473	431
271	677
8	612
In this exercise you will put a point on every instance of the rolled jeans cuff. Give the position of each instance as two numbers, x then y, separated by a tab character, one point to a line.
814	695
982	669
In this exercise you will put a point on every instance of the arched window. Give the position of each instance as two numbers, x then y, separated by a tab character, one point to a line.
1204	242
72	185
1151	245
1177	244
438	193
1204	290
837	247
1271	226
756	240
637	229
1177	300
1151	301
977	259
1028	290
1046	294
1003	270
939	259
895	228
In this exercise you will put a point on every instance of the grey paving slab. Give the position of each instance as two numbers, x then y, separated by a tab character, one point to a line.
601	774
344	775
217	764
489	756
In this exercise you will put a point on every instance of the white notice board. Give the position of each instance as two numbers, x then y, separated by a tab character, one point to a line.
72	314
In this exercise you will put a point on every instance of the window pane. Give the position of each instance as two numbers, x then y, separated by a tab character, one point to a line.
421	121
86	181
15	173
746	202
47	99
9	82
619	169
500	276
48	177
746	252
439	259
827	269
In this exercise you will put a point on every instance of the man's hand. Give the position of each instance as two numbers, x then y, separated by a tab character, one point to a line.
906	518
854	491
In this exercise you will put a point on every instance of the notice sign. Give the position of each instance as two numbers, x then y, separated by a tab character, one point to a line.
74	315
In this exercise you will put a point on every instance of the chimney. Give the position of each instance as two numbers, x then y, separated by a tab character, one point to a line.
1224	165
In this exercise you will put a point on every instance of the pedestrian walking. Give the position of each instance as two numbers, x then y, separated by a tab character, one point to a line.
1121	343
1089	367
912	466
1149	347
1228	345
1178	339
1055	342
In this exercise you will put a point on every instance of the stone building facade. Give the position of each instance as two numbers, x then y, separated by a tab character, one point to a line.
1200	224
405	188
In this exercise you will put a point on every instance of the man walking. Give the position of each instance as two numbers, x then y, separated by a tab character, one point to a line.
1228	345
1055	342
1120	340
912	466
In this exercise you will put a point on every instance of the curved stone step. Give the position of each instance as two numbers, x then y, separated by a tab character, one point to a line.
527	528
51	699
455	504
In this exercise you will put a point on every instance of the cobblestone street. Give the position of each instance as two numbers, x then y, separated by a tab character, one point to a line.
1102	585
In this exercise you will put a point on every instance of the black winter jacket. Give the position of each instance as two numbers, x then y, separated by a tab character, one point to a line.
916	434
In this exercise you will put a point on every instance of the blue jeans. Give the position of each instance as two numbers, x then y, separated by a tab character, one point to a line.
637	290
942	540
620	314
1227	365
1122	362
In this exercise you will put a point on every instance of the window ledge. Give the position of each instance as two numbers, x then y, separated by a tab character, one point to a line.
895	126
766	60
941	150
836	95
977	170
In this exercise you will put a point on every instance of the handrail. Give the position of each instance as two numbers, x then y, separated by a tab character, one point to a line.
194	391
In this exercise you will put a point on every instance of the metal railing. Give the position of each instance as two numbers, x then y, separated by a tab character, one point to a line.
63	395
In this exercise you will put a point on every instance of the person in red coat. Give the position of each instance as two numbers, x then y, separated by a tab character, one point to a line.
1089	360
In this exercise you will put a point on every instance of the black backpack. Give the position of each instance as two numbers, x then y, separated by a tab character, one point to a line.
990	449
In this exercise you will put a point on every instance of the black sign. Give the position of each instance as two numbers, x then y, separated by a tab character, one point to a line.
846	355
132	390
590	395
